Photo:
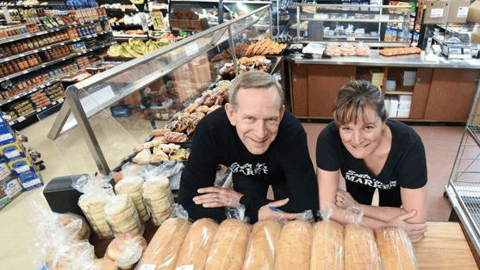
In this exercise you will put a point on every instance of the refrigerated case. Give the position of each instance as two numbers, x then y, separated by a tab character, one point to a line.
184	69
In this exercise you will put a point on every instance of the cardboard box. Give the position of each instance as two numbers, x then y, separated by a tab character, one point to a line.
458	11
436	11
474	12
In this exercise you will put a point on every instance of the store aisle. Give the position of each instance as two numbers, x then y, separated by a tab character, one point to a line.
16	232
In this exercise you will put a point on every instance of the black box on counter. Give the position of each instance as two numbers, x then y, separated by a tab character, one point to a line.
61	196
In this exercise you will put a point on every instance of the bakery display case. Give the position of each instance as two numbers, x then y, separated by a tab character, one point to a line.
368	23
177	75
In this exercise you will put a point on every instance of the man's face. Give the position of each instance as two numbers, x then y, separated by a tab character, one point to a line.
256	117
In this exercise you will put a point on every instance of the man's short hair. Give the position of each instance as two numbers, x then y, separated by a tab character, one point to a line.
254	79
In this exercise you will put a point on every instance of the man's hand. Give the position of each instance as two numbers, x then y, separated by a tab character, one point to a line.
415	231
217	197
267	211
344	199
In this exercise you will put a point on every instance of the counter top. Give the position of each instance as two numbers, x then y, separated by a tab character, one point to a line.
377	60
444	247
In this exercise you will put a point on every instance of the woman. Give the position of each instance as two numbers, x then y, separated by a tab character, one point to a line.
372	152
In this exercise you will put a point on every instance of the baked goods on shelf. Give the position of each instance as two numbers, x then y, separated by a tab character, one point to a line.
396	249
132	186
294	246
265	47
158	197
122	216
262	246
361	250
126	250
327	246
400	51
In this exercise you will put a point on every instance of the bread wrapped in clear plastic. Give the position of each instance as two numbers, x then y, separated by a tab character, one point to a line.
157	196
396	249
76	224
328	252
133	187
73	256
96	194
361	251
294	246
229	245
122	216
126	250
262	245
162	251
196	244
104	264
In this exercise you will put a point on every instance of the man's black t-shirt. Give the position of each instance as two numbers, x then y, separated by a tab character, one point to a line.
405	166
286	165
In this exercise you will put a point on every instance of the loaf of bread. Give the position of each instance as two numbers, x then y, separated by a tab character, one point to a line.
229	245
262	245
396	249
361	250
161	253
196	244
294	246
132	186
327	247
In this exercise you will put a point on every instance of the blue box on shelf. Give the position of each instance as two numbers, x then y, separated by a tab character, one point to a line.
121	111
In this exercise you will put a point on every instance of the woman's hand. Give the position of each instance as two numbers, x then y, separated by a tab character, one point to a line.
344	199
415	231
270	211
217	197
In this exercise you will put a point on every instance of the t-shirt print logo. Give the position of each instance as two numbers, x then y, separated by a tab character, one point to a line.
365	179
249	169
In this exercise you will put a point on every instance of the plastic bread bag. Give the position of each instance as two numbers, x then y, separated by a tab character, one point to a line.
294	244
396	249
103	264
196	245
229	245
327	248
157	195
131	170
122	216
96	194
361	250
162	251
173	171
132	185
76	224
74	256
263	245
126	250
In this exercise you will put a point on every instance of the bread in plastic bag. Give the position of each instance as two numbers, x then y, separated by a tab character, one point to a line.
126	250
162	251
361	251
122	216
294	246
157	196
262	245
229	246
71	222
104	264
74	256
328	252
96	194
132	186
196	244
396	249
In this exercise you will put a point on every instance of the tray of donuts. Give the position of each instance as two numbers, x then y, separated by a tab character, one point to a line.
400	51
173	141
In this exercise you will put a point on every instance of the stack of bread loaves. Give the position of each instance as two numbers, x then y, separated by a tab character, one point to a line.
158	197
132	186
122	216
93	206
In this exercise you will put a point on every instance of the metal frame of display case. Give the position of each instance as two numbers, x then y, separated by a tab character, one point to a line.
463	188
366	9
219	34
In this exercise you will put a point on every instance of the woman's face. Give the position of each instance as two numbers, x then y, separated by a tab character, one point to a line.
364	137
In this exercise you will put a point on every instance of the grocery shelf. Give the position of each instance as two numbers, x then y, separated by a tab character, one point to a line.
474	130
52	46
23	72
28	92
35	112
353	20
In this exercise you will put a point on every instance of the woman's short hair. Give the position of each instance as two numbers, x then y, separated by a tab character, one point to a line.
352	100
254	79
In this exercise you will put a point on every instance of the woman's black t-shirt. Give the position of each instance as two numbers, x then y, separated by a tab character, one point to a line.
405	166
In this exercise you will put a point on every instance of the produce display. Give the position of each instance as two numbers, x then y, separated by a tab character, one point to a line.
136	47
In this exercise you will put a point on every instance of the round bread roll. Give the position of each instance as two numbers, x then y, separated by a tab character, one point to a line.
76	225
94	209
327	247
122	216
262	245
197	243
294	246
105	264
126	250
158	199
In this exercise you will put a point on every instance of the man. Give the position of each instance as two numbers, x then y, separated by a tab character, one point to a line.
262	144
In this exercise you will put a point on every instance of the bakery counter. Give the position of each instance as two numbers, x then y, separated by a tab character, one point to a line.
377	60
444	247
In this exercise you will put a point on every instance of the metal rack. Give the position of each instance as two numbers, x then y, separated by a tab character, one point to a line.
463	188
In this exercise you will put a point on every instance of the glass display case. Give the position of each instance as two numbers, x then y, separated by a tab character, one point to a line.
111	110
368	23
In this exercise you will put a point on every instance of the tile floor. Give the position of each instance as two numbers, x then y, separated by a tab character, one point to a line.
71	156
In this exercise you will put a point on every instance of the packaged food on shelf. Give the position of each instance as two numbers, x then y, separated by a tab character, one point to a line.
122	216
131	185
126	250
157	195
